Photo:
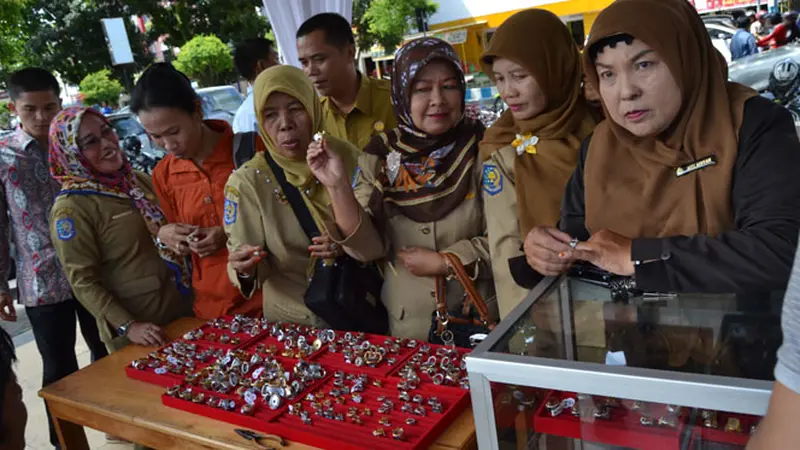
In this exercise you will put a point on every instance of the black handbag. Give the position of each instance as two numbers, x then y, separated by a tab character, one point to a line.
344	293
463	328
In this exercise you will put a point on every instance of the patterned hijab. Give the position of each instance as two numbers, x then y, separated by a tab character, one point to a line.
426	177
73	171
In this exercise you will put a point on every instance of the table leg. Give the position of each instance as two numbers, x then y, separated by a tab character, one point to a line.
70	434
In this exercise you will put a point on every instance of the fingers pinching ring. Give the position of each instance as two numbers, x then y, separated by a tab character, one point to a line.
573	243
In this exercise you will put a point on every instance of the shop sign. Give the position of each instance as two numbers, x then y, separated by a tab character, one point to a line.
454	37
711	5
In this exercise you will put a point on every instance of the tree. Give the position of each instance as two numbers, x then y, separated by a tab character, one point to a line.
12	32
99	87
181	20
390	20
5	115
364	38
66	36
206	59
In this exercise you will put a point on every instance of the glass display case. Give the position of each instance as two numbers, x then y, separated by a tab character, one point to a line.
578	366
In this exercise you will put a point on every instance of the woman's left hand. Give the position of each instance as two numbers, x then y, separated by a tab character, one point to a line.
422	262
206	241
608	251
324	247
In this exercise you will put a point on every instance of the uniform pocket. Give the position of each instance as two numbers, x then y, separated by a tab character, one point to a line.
139	286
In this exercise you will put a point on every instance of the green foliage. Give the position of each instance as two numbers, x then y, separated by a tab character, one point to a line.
390	20
230	20
5	115
365	39
66	36
99	87
206	59
12	32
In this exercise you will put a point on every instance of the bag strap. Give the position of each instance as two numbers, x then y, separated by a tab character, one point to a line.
295	199
473	297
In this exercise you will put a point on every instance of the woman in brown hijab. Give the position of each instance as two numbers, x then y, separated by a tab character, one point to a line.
416	193
691	183
532	150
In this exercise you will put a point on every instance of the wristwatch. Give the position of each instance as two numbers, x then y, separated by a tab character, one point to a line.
123	329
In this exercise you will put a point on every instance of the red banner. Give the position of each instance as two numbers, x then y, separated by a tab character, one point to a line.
710	5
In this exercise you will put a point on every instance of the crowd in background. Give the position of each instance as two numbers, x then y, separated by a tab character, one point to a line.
684	182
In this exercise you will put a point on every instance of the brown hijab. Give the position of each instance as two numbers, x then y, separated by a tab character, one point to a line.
631	183
425	176
538	41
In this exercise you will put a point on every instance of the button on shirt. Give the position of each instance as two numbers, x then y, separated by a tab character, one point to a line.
195	196
372	113
28	194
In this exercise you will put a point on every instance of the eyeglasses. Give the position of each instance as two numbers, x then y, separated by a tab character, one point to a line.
92	142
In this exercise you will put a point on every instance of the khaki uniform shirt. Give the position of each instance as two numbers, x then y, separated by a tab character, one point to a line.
373	113
384	230
257	213
112	263
505	242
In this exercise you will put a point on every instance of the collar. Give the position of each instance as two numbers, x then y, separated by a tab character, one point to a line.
363	98
222	152
20	140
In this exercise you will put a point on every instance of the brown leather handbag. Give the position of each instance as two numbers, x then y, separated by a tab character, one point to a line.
459	327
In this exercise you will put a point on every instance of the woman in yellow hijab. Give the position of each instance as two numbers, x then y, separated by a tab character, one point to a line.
268	248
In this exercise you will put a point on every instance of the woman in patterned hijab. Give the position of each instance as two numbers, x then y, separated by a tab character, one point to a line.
107	254
416	194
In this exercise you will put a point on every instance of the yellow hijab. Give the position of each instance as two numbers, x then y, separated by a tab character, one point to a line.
292	81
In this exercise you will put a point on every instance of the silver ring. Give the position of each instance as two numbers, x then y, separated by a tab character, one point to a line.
333	246
573	243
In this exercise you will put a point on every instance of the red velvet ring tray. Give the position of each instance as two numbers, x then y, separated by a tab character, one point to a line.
728	437
335	360
168	379
268	340
424	377
262	413
244	335
329	433
623	429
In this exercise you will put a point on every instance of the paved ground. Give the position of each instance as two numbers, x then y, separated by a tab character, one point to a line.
29	371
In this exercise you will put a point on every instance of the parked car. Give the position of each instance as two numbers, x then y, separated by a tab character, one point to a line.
719	19
220	102
754	70
721	36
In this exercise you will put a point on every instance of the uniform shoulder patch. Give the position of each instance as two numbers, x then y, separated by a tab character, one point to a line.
65	228
492	179
231	211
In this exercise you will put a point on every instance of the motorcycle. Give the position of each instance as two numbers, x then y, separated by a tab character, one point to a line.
132	147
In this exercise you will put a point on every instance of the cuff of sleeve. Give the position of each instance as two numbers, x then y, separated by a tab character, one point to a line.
465	252
259	275
363	244
787	377
117	316
651	275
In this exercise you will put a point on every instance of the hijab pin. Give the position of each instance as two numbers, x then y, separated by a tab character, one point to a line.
136	194
525	143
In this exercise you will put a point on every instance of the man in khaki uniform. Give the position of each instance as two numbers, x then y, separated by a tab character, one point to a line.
355	107
113	265
258	216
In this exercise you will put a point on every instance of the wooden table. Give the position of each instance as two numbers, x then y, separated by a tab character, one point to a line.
102	397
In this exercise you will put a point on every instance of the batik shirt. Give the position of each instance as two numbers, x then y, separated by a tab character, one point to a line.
27	194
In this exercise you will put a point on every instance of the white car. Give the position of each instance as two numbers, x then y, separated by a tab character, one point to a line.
721	37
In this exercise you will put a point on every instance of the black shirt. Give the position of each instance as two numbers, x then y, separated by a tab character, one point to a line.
755	256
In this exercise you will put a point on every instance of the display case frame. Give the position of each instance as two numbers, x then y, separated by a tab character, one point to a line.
485	366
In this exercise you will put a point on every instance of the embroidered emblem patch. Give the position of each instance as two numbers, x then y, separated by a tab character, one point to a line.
231	209
492	179
65	229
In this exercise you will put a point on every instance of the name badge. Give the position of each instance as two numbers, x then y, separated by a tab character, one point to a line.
695	166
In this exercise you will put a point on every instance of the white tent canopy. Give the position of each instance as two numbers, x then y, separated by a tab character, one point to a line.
286	16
